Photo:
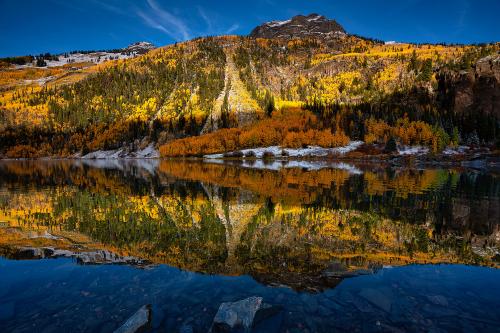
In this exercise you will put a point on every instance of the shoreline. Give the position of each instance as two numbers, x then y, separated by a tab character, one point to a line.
308	157
473	161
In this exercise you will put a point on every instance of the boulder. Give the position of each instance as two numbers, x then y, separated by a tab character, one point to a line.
377	298
138	322
438	300
241	315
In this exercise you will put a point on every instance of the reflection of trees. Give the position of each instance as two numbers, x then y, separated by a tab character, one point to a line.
306	241
168	230
415	196
275	225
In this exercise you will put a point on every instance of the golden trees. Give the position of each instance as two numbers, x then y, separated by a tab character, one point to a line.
406	131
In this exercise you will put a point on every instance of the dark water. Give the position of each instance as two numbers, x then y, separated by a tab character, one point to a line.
339	248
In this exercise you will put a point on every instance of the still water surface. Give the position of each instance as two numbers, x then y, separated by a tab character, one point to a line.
344	247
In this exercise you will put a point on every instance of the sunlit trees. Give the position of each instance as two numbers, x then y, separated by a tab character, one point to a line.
356	87
292	128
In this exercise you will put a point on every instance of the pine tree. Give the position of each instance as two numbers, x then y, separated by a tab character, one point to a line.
413	65
269	104
426	71
40	62
391	146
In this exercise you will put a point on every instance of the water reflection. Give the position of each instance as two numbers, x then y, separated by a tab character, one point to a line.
304	228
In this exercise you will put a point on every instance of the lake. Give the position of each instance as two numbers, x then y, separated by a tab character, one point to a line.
332	246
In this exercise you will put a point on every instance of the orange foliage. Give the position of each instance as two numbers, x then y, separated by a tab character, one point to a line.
292	128
406	131
288	185
22	151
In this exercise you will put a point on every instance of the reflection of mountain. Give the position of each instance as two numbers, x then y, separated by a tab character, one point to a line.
282	227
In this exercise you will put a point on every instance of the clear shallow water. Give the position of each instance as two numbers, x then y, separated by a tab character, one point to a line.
58	295
215	233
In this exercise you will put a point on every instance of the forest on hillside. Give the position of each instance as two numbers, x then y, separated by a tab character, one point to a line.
252	92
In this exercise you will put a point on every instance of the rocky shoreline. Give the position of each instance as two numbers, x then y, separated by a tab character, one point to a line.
312	157
474	158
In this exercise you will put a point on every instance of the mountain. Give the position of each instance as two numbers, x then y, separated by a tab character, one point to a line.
300	26
304	81
139	47
57	60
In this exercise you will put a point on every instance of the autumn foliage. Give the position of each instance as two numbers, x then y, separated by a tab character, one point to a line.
407	132
358	89
291	128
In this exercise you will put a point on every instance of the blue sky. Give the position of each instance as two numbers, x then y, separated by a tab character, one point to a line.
35	26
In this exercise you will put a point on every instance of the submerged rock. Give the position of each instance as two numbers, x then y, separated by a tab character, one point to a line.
243	314
438	300
138	322
377	298
186	328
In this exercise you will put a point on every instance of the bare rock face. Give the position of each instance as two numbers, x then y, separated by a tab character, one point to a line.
475	90
139	47
300	26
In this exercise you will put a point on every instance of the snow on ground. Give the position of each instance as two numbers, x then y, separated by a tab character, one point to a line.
41	81
45	234
148	152
456	150
310	151
413	150
104	154
94	57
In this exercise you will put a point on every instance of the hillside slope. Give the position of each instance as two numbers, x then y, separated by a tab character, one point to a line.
338	84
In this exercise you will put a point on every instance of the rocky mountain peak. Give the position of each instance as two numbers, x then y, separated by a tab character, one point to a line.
139	47
300	26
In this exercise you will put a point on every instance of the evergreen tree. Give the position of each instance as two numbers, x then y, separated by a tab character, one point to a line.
426	71
269	104
391	146
413	65
40	62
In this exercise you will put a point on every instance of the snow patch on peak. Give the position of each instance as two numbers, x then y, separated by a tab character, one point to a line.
274	24
144	44
315	17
